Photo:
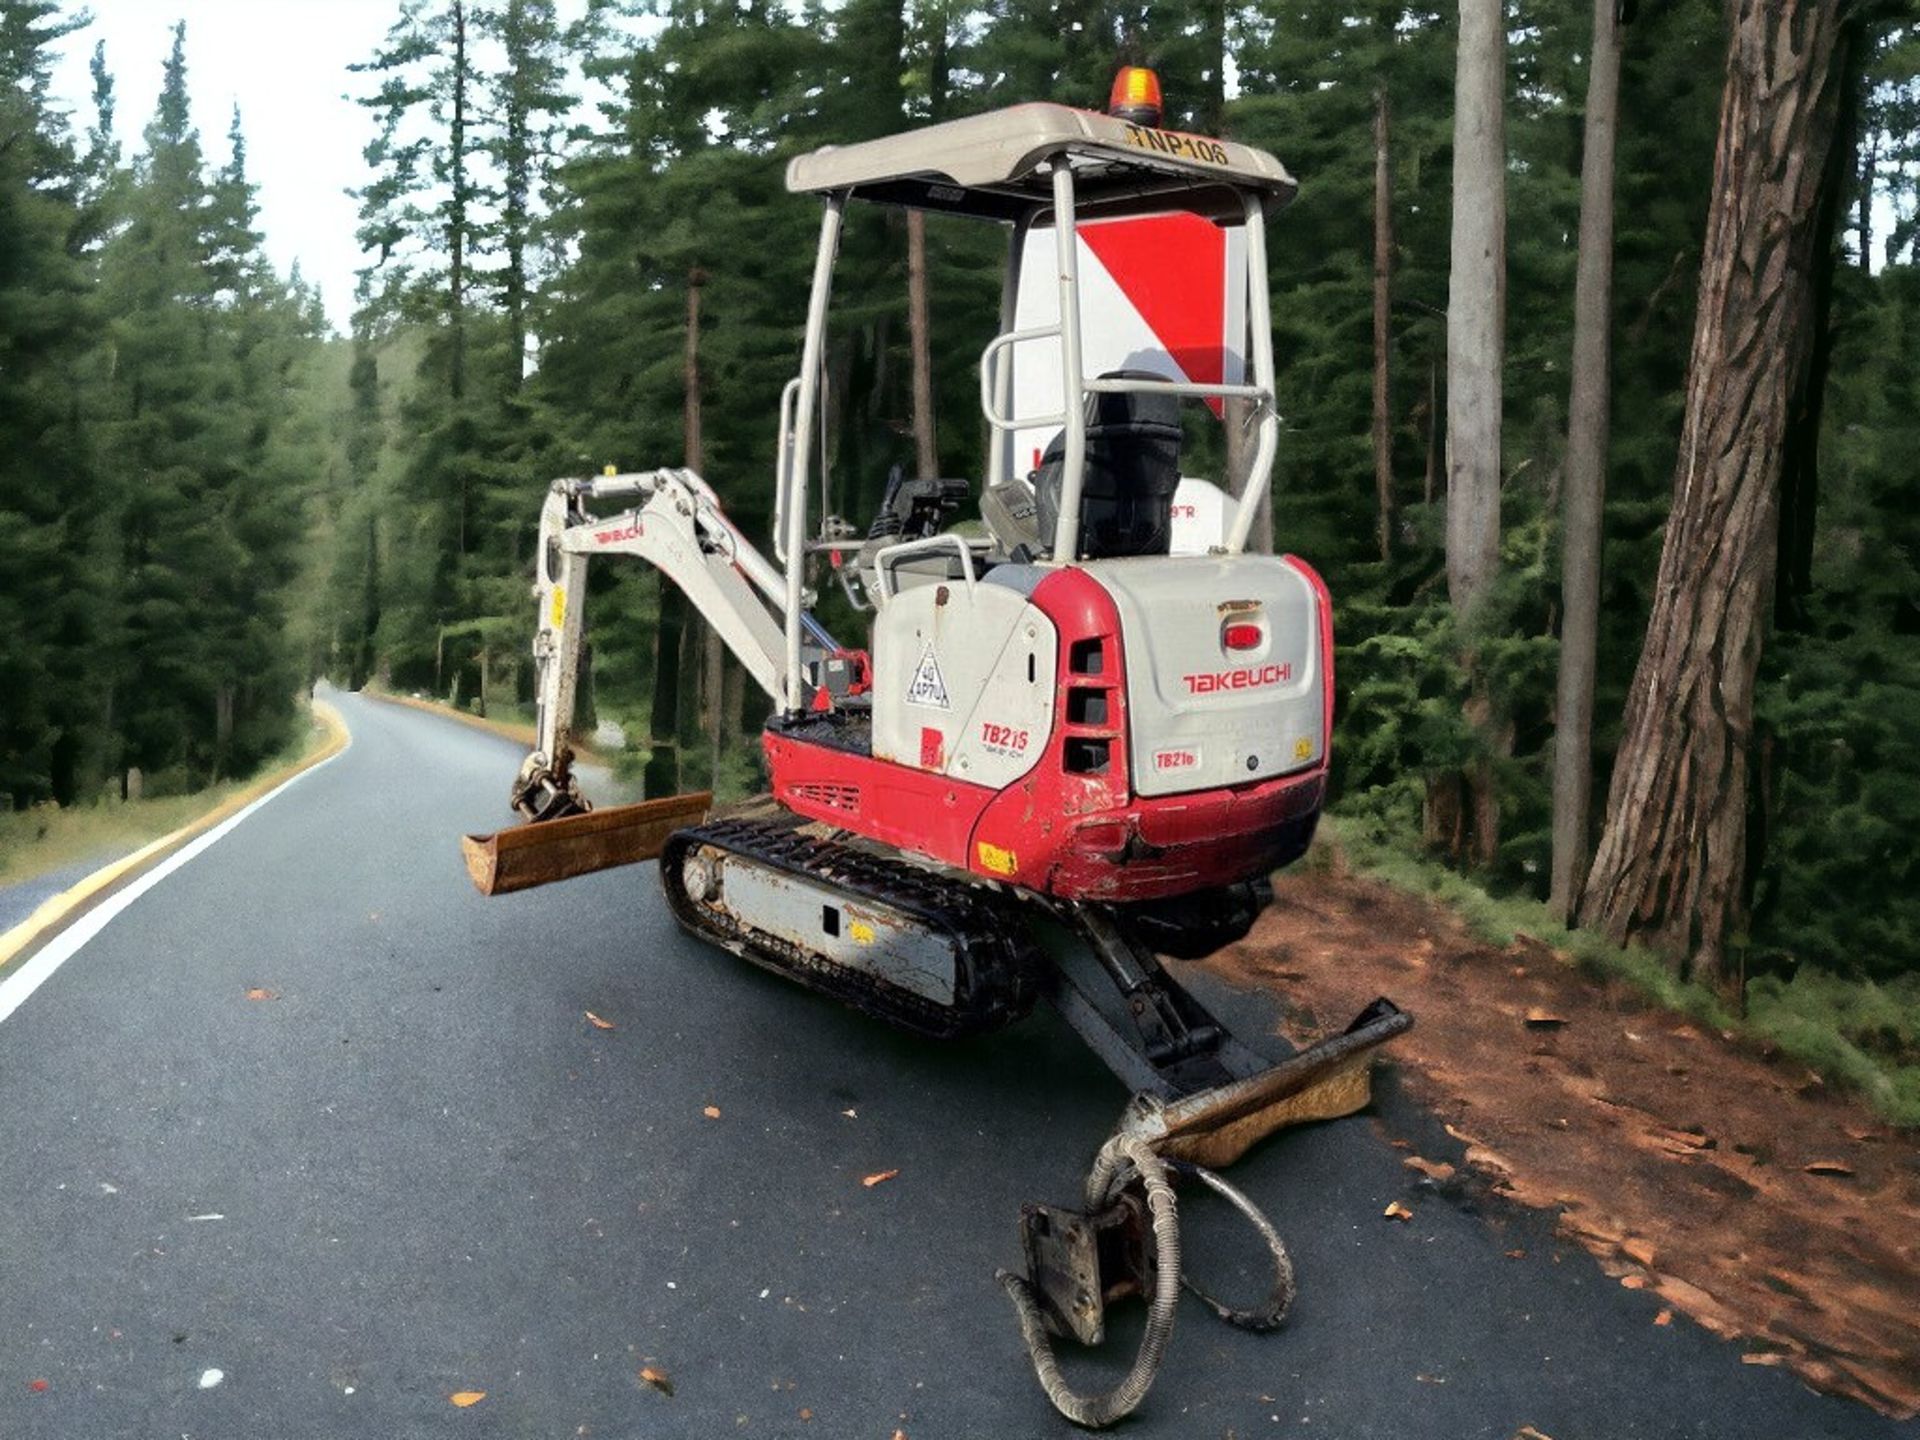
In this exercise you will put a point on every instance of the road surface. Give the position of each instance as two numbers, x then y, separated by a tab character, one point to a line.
420	1170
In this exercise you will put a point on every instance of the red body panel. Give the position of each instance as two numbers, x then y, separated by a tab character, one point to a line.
1068	828
916	810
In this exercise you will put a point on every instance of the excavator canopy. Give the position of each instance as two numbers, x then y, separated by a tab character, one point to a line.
998	166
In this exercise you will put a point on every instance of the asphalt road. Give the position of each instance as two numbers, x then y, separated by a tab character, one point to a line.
420	1170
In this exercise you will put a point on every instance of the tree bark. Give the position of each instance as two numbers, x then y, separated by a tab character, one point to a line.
920	337
713	649
1382	314
1670	861
1476	323
1583	490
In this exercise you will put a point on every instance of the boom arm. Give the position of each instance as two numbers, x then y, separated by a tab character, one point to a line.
674	521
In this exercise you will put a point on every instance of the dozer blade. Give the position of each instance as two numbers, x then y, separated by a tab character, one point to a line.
538	854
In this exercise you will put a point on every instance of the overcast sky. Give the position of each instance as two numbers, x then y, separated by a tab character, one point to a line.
284	62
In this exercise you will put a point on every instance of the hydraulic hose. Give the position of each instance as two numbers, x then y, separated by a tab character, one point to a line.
1120	1158
1096	1412
1279	1299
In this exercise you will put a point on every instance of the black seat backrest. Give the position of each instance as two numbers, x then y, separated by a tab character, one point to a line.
1133	468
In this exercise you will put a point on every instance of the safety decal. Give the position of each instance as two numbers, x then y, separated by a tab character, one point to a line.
929	687
1000	862
1303	748
559	606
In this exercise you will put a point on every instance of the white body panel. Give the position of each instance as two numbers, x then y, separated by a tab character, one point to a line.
963	681
1200	716
1201	515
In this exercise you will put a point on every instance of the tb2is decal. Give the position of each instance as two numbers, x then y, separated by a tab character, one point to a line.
1004	739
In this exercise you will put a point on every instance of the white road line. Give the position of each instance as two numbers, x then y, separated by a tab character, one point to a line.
36	970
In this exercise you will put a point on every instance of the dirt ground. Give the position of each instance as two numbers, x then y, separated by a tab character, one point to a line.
1741	1191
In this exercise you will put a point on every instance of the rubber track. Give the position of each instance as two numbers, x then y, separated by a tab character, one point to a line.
996	965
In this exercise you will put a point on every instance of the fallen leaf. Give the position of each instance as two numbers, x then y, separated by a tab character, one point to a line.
805	1414
1665	1317
1435	1170
879	1178
1431	1379
1763	1357
464	1398
899	1435
1516	1254
39	1387
712	1112
1397	1211
658	1379
1538	1019
1827	1167
1634	1282
598	1023
1527	1432
261	993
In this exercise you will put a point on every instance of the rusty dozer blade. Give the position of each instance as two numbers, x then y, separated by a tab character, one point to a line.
544	851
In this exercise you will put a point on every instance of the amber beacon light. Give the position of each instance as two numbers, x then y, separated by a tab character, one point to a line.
1136	96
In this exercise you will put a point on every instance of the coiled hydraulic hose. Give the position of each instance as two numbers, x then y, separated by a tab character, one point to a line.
1119	1158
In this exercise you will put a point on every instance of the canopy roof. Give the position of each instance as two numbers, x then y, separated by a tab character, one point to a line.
997	166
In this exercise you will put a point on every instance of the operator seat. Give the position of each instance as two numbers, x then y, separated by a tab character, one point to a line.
1132	470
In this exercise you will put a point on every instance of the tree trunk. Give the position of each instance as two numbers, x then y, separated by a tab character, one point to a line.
1671	858
1583	491
459	198
1476	322
1382	332
920	335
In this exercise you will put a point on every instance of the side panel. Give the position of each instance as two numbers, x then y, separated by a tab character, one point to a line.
1226	671
963	682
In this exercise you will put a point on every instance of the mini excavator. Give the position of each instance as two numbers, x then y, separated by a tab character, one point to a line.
1080	737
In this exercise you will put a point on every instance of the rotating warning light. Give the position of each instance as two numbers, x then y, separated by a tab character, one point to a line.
1136	96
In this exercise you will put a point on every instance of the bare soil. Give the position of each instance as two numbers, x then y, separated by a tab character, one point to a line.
1738	1189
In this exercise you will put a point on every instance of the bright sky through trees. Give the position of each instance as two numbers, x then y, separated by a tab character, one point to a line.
284	62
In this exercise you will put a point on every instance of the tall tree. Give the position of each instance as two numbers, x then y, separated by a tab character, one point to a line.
1583	490
1383	317
1476	327
1671	859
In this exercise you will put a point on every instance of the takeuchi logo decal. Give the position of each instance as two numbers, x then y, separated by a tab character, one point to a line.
615	536
1209	682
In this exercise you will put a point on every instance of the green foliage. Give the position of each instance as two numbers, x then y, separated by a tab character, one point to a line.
156	384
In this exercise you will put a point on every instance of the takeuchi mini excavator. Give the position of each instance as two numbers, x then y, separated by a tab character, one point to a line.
1079	736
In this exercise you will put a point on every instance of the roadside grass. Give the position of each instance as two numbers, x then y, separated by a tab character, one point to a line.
52	837
1857	1034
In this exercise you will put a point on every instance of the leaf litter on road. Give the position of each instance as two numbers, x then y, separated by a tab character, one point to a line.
466	1399
599	1024
879	1177
260	992
658	1379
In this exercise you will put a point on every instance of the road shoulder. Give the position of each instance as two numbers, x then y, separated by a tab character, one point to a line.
60	911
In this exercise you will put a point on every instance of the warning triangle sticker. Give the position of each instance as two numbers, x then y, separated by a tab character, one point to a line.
929	687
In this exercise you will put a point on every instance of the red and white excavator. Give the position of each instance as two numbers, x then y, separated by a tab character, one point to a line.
1079	735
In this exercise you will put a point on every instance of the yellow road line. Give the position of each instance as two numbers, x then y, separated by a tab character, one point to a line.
55	914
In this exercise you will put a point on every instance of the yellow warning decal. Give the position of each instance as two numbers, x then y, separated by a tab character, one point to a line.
1303	748
861	932
559	606
1000	862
